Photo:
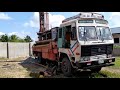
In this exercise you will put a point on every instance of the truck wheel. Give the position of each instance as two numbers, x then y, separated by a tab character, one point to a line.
96	70
66	67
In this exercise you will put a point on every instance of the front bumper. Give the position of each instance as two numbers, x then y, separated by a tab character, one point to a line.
95	64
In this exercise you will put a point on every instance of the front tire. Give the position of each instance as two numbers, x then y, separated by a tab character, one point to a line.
66	67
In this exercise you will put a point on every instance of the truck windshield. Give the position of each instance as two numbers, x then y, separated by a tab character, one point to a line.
87	33
104	33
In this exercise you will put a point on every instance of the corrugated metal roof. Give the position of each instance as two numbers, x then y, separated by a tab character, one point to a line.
115	30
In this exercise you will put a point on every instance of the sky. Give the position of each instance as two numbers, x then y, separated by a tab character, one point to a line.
27	23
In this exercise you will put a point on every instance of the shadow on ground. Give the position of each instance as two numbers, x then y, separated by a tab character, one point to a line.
31	67
35	70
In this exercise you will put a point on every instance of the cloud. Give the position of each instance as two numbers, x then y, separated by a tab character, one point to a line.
54	20
1	33
34	22
21	34
34	39
115	19
12	33
4	16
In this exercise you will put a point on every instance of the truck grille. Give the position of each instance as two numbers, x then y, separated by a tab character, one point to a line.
96	50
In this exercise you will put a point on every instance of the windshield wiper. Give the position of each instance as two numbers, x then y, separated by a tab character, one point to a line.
85	39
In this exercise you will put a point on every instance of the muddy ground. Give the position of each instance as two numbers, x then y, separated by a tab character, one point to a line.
26	68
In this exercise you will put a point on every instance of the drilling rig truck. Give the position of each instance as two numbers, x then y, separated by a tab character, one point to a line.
82	42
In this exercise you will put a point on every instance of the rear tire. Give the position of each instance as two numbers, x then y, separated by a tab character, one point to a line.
40	59
66	67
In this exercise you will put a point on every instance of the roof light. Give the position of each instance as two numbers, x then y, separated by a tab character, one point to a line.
91	15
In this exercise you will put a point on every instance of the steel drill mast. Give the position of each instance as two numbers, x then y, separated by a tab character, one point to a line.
44	23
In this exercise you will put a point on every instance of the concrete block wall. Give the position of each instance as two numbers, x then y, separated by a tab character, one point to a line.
3	49
18	50
15	50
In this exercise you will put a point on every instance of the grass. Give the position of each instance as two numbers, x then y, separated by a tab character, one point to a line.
106	74
110	72
116	46
97	75
117	63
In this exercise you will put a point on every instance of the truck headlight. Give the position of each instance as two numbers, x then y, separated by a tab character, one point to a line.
85	58
109	56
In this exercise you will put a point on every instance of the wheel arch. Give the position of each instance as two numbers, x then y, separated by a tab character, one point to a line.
63	55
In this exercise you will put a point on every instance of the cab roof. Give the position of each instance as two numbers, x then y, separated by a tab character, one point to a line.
84	15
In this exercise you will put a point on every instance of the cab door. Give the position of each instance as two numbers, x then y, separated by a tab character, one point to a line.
61	37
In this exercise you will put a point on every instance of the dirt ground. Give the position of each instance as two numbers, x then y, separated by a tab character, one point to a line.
25	68
19	68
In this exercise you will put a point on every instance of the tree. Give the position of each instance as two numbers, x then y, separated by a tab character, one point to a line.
21	40
4	38
28	39
14	38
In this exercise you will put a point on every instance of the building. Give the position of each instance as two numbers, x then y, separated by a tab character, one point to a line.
116	34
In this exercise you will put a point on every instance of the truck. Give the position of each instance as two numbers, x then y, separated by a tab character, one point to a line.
81	42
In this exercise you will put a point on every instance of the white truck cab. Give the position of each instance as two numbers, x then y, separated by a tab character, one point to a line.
85	42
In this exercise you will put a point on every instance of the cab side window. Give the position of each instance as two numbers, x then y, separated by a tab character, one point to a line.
73	35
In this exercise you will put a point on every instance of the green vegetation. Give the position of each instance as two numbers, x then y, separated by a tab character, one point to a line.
109	72
106	74
4	38
117	62
14	38
115	46
28	39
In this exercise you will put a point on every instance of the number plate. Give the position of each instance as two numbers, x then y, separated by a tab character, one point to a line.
101	61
